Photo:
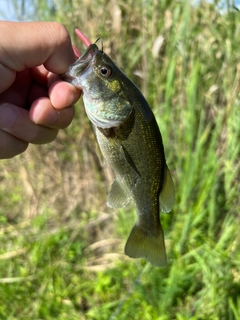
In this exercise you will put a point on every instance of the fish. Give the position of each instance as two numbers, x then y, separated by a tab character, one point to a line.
130	142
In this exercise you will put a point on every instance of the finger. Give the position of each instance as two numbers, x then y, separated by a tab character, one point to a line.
17	93
36	43
63	94
40	75
30	44
16	121
55	113
10	146
43	113
7	77
36	92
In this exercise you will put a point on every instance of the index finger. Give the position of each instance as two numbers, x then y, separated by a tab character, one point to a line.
30	44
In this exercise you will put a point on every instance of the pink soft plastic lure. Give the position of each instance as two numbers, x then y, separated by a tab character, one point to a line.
84	39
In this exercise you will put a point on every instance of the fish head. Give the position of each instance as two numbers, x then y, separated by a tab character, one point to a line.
102	82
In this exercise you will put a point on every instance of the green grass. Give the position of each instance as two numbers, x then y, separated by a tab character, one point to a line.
61	249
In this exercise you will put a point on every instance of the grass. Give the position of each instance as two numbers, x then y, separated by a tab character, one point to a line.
61	248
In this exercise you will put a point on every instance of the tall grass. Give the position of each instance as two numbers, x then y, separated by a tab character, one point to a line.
61	252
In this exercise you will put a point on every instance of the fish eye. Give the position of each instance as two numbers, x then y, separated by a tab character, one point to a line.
105	71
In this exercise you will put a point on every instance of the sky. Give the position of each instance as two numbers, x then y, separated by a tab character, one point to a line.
7	11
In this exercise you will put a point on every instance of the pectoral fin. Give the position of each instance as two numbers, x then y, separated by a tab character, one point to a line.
167	195
117	145
117	197
129	160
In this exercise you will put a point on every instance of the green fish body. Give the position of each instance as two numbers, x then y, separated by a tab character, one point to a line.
131	143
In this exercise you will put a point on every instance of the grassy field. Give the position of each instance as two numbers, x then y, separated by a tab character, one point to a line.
61	248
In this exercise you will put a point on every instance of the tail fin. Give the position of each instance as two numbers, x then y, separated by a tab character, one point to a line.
143	244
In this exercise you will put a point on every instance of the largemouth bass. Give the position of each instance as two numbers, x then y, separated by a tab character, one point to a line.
131	143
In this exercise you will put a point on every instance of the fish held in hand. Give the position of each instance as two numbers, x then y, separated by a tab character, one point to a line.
130	142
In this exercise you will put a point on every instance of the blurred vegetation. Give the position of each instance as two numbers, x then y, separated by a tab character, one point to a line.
61	248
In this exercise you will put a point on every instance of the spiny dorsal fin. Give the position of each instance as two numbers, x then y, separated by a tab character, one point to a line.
167	195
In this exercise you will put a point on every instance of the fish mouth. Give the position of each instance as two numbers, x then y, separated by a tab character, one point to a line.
81	64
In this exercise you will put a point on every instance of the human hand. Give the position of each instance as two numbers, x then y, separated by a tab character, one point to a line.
34	101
